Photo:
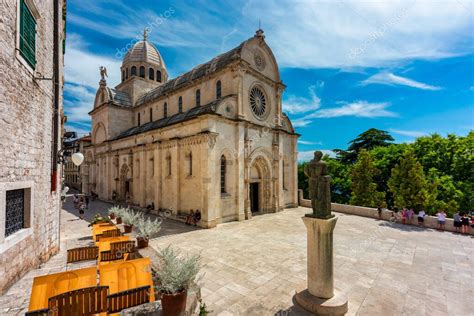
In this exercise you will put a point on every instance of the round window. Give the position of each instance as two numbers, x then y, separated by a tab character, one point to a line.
258	103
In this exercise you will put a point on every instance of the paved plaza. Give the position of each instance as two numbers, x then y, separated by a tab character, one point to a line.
253	267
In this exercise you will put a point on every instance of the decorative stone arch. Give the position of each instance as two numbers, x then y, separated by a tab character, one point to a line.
100	133
260	189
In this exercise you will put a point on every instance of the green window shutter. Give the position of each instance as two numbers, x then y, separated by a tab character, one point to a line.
27	35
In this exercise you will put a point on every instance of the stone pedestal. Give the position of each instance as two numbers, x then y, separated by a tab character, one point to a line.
319	298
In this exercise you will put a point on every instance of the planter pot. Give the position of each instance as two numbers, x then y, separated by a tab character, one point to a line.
142	242
127	228
174	304
112	216
119	220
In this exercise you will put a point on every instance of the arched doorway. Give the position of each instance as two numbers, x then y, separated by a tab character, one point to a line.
125	182
259	188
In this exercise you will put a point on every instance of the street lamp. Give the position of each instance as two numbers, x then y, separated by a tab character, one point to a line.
77	158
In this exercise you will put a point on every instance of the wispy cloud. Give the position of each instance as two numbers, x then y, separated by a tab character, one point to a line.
357	109
408	133
295	104
304	142
301	122
391	79
309	154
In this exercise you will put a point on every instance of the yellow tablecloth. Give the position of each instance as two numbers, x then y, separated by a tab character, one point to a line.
50	285
125	275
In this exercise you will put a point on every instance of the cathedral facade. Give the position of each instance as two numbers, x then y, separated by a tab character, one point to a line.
214	138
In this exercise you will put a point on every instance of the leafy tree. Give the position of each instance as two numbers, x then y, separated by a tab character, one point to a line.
340	180
369	139
408	183
364	189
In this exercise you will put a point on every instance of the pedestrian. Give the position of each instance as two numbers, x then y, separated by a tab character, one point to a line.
75	201
410	214
457	222
379	211
441	219
404	215
421	218
82	207
197	217
86	200
464	223
393	217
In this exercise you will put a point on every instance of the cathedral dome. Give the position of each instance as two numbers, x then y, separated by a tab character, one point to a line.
145	61
144	51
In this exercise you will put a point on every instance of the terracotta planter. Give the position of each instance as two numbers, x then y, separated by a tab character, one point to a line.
142	242
174	304
119	220
112	215
127	228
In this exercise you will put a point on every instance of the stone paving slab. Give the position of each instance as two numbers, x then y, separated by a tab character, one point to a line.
253	267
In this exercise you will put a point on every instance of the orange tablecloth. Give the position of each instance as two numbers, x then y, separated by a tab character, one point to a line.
50	285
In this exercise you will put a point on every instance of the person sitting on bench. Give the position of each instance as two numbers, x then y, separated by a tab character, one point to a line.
190	217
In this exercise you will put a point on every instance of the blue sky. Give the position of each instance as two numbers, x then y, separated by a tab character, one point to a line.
403	66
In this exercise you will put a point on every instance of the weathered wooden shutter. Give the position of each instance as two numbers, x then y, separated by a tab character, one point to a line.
27	34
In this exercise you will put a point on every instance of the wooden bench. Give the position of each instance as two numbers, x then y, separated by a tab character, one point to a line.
82	254
108	233
129	298
86	301
118	251
39	312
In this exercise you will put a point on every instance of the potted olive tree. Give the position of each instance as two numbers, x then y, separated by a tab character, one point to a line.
146	229
129	218
113	212
175	274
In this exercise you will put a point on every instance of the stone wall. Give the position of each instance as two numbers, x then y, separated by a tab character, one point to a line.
26	114
430	221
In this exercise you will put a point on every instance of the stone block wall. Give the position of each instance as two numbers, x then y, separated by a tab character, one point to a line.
430	221
26	121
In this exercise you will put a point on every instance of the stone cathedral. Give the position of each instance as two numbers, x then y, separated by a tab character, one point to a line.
214	138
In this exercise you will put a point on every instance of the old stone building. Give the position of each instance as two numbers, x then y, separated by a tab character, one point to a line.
72	173
213	139
31	61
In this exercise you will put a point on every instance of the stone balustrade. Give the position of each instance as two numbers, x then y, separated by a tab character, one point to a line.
430	221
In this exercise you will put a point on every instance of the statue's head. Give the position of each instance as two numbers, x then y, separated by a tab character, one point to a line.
318	155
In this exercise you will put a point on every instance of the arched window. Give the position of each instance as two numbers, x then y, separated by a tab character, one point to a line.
180	105
168	164
158	76
151	74
198	97
223	172
138	119
151	114
142	72
134	71
190	164
218	89
126	73
165	110
123	75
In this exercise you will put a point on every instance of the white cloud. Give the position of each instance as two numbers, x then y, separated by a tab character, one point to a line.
391	79
309	154
295	104
408	133
357	109
304	142
301	122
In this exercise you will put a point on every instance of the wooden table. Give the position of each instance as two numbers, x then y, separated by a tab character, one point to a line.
125	275
50	285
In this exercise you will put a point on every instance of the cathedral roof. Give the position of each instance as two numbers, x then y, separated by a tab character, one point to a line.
194	112
199	71
144	51
119	97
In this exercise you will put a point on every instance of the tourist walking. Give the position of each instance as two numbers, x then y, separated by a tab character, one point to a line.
75	201
421	218
86	200
379	211
404	215
410	214
441	215
464	223
457	222
82	207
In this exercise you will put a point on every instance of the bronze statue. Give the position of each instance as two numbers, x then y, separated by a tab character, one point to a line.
103	72
319	186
